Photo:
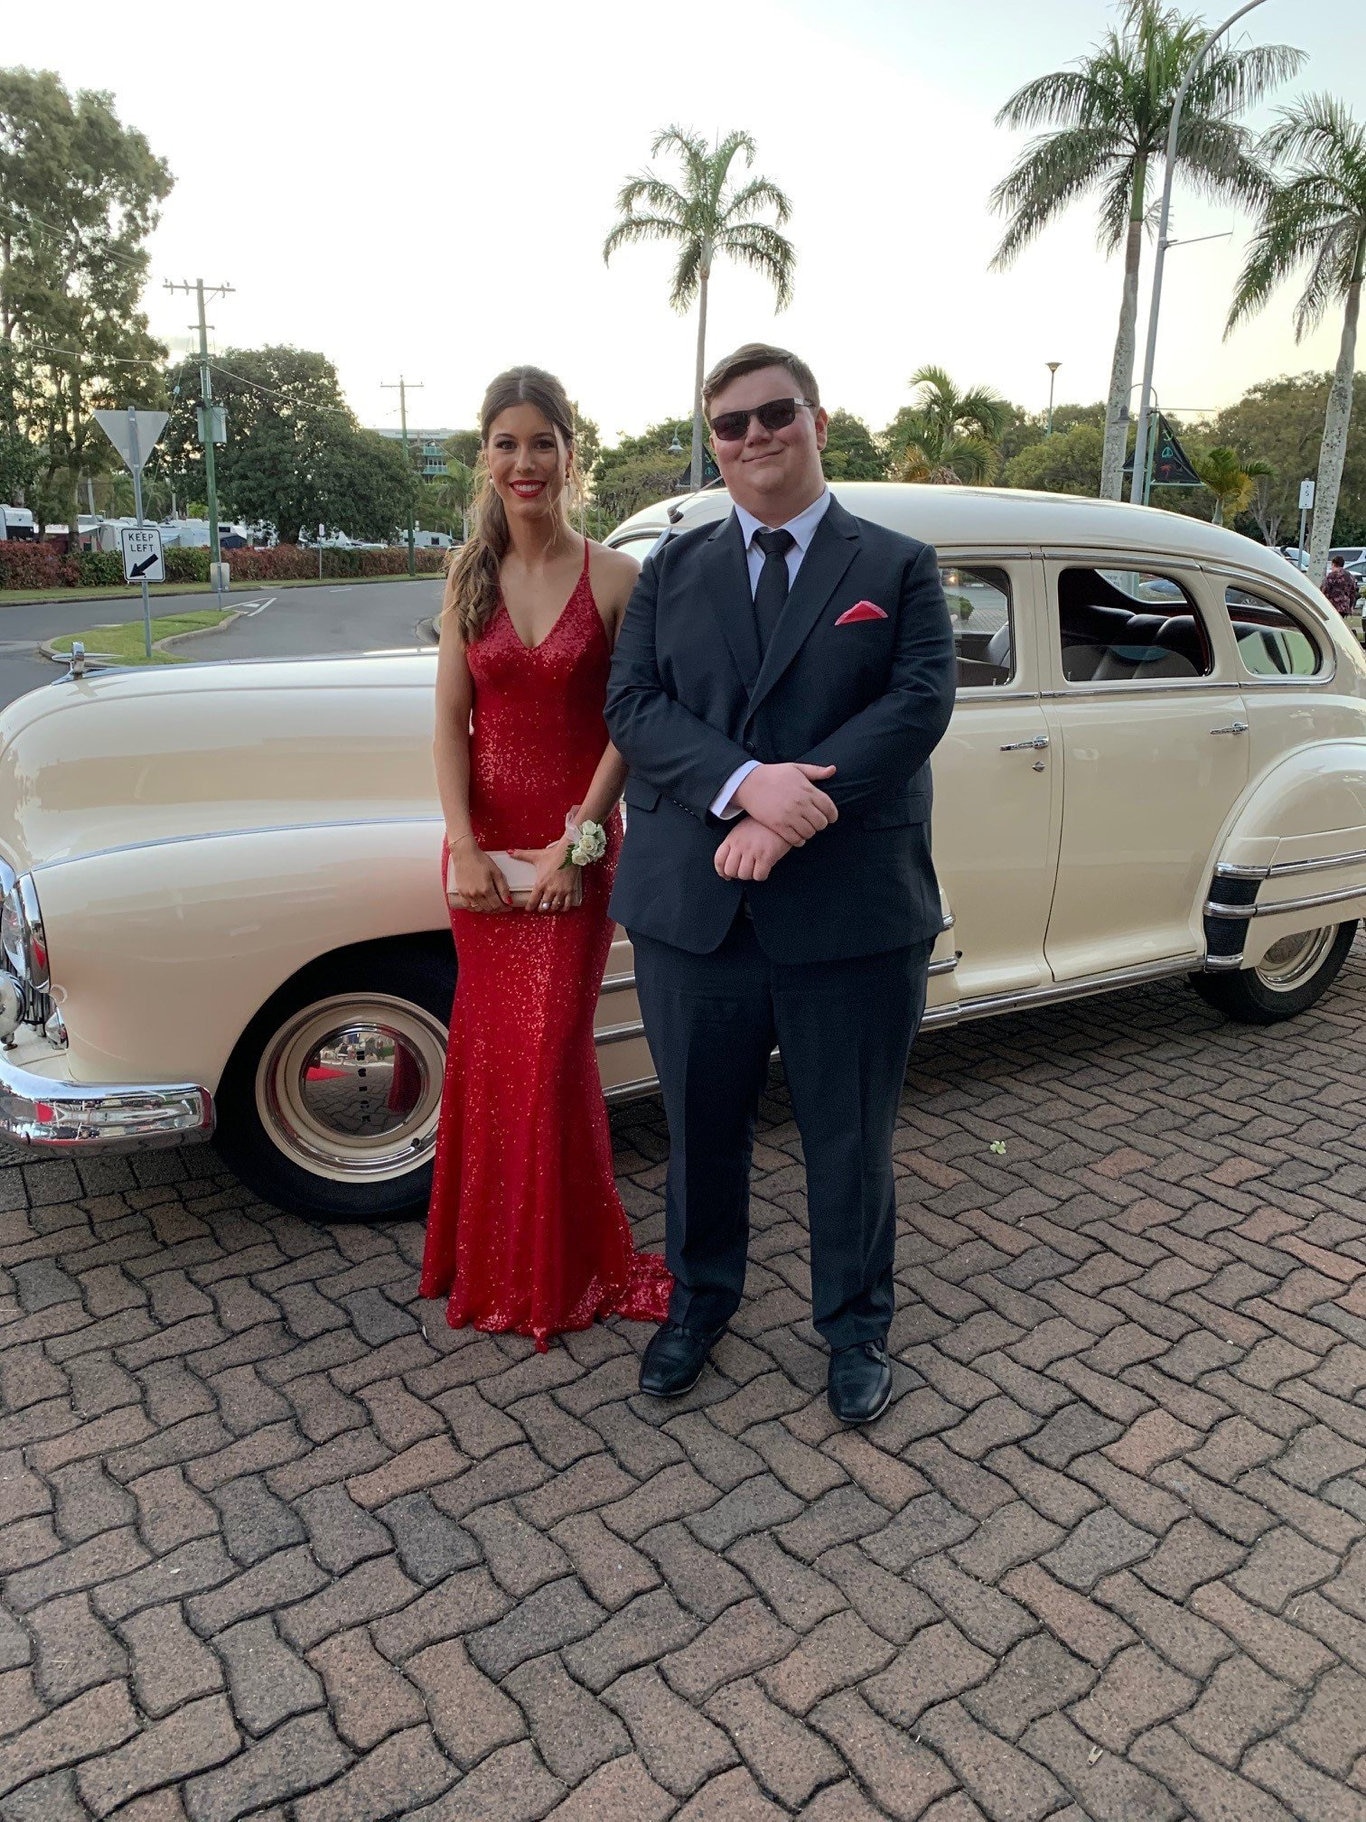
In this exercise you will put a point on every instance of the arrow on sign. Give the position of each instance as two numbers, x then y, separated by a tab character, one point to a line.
141	569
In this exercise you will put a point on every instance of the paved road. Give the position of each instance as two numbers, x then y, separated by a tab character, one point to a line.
289	623
277	1542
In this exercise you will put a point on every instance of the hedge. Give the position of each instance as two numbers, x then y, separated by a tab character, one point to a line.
285	562
26	564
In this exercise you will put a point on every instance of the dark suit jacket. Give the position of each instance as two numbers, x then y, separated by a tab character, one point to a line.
689	701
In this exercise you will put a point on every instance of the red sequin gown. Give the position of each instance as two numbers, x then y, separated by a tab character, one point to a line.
525	1230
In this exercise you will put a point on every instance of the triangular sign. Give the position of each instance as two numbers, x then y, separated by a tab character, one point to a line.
1171	464
116	427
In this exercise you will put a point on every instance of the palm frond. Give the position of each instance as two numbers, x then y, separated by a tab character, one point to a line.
756	245
759	193
660	197
687	274
640	228
1050	173
1065	97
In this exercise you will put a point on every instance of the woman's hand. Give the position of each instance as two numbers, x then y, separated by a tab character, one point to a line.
555	882
478	881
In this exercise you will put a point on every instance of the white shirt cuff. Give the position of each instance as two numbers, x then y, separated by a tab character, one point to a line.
721	804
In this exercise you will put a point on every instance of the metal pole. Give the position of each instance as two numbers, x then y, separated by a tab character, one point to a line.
1053	367
135	463
1137	491
1304	513
403	422
402	390
210	479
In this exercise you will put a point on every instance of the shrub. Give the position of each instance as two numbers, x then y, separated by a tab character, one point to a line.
288	562
189	565
97	567
28	565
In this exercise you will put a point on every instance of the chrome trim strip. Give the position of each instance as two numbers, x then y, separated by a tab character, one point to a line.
1223	964
619	983
945	967
7	876
631	1091
71	1116
1131	686
619	1034
1078	989
272	828
39	970
1286	869
948	921
1213	909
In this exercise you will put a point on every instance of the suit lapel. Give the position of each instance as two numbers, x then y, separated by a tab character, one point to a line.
833	549
725	583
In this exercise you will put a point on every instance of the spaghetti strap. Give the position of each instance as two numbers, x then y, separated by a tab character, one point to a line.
586	548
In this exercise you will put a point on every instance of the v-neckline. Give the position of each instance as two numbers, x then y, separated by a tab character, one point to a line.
555	625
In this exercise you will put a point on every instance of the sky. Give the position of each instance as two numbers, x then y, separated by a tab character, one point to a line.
423	191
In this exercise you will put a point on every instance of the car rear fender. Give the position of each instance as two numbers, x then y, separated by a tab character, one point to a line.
1294	857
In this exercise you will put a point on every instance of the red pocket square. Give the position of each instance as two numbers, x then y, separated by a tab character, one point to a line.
861	610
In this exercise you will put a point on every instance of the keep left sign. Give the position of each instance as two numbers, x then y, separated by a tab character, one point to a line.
142	557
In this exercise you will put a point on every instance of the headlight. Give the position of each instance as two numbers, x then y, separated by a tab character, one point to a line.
21	934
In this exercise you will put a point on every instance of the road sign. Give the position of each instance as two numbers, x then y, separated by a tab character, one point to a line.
118	426
142	556
1306	496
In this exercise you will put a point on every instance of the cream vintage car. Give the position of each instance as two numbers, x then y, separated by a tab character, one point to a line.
223	916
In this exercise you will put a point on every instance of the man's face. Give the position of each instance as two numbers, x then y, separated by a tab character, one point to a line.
771	473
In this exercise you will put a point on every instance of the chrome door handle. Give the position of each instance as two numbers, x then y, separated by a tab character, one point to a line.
1234	727
1035	745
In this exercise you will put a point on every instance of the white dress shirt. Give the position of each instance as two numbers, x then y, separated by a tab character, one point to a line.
801	529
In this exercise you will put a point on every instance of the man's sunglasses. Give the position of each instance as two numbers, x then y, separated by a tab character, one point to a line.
733	426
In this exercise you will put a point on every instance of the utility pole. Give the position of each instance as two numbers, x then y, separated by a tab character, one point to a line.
207	422
402	388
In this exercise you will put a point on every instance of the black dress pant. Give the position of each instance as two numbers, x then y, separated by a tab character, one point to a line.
844	1030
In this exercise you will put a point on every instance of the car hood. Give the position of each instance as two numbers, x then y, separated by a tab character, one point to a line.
123	758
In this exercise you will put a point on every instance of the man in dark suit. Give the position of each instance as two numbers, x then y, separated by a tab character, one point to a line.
778	686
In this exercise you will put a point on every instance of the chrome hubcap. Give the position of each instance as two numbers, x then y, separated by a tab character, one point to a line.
350	1087
1294	959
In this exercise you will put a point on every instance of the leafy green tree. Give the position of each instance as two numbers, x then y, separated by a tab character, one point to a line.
947	435
79	194
1231	478
1316	214
1025	428
1112	114
295	457
705	217
850	453
1067	462
1282	419
636	470
463	447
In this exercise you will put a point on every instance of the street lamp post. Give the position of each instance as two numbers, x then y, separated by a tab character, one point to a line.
1053	367
1136	491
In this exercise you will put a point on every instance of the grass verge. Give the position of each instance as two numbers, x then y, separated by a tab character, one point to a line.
34	597
127	644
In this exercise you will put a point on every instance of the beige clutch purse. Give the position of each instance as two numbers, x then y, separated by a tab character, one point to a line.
520	876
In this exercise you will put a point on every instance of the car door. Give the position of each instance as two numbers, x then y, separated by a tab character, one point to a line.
997	810
1148	722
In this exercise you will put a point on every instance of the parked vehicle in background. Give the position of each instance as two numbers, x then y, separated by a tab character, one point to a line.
17	522
222	906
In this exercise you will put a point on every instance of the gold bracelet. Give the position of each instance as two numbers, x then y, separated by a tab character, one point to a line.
453	845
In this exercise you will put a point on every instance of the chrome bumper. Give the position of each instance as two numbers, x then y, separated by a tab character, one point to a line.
70	1116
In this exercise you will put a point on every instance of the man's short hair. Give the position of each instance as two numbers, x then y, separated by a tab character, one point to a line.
750	359
1337	562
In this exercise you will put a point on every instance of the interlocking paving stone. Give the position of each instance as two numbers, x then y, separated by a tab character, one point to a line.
1106	1551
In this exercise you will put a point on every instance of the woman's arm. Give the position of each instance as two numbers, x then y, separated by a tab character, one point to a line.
480	884
613	575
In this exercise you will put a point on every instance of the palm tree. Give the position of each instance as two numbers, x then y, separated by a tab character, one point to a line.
947	436
1231	480
1316	213
1113	113
705	217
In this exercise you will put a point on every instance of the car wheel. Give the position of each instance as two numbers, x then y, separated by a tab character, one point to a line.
329	1104
1291	976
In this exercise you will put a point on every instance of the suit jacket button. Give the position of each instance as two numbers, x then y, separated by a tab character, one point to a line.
749	746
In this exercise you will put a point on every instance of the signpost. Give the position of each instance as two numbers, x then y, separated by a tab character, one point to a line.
1306	506
134	434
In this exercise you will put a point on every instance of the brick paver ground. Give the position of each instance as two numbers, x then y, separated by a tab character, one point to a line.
269	1546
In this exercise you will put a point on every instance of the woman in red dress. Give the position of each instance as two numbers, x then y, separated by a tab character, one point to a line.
526	1231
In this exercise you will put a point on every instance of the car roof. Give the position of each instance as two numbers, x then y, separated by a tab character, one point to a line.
1002	518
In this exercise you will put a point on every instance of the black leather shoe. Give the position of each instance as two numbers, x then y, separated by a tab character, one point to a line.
860	1383
674	1360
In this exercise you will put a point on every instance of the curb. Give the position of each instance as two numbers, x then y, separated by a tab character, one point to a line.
108	661
426	629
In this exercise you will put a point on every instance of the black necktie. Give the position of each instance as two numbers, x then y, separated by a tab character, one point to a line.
771	594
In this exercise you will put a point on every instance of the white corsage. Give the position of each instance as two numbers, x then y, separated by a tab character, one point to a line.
587	841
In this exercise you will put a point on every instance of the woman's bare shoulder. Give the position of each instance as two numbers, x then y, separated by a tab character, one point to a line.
613	574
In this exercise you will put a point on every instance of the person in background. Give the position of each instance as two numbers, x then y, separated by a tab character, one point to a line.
1340	586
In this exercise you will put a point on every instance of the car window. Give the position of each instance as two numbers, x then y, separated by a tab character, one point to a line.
1129	626
978	597
640	544
1271	642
